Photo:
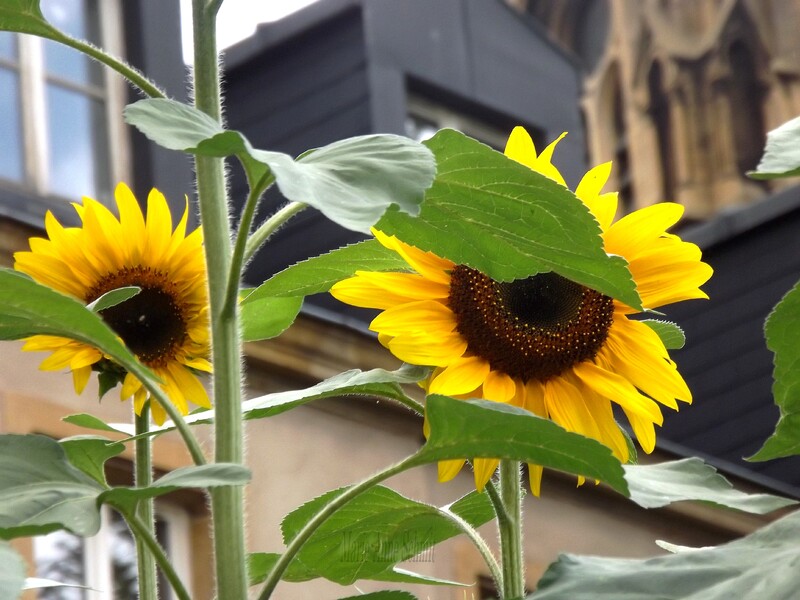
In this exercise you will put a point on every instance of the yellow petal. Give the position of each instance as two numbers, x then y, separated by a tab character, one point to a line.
449	468
80	377
418	349
460	377
130	386
617	389
635	232
535	478
483	469
520	147
422	317
427	264
499	386
544	163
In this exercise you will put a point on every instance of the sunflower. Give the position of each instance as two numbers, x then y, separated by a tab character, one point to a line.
544	343
165	325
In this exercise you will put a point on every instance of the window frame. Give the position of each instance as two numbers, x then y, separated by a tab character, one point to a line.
33	81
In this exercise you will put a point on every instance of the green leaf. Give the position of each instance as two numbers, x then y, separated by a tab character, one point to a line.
40	491
89	453
38	583
383	595
373	532
24	16
318	274
352	182
202	476
484	429
782	331
91	422
376	382
171	124
496	215
671	335
267	317
761	565
12	572
114	297
28	308
654	486
259	564
782	154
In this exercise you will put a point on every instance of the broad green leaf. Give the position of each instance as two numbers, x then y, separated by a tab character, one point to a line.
91	422
671	335
202	477
268	317
761	565
259	564
28	308
376	382
40	491
352	182
653	486
89	453
12	572
318	274
484	429
114	297
498	216
383	595
782	153
377	529
24	16
171	124
782	331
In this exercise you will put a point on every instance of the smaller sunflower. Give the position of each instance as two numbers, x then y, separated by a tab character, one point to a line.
559	349
165	325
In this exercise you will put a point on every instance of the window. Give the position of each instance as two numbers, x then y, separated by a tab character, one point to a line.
106	563
59	109
426	117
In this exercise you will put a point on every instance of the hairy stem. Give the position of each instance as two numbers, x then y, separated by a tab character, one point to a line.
145	562
511	530
227	502
270	226
143	534
318	519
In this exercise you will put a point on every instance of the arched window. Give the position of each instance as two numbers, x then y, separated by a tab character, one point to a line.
747	117
660	116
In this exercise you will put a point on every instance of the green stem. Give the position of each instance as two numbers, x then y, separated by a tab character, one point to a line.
127	71
271	225
480	544
279	568
246	221
227	502
141	533
163	399
510	528
145	563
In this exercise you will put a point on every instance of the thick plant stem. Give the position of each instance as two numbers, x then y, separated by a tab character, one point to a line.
510	527
226	501
146	565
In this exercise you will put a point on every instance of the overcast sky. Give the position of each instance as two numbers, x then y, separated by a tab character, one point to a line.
238	19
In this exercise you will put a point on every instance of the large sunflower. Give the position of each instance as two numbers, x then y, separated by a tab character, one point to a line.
165	325
560	350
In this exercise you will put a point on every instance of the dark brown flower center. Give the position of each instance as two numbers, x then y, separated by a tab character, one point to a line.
534	328
152	323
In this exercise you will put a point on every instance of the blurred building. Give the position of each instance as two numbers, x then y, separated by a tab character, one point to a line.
347	67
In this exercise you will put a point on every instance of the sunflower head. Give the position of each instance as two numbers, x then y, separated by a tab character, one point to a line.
557	348
165	324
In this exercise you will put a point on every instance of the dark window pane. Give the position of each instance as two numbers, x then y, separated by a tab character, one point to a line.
59	556
78	144
123	560
11	163
8	45
75	18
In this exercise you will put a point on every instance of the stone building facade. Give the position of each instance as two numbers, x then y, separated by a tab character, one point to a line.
680	93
